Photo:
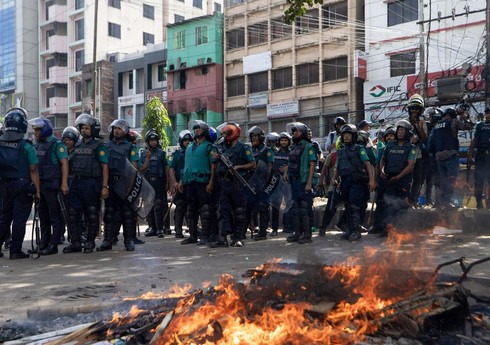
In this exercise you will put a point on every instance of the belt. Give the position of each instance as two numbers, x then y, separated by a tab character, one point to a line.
114	177
154	178
80	177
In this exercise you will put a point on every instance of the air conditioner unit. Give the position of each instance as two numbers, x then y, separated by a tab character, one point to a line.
113	57
450	87
171	67
209	60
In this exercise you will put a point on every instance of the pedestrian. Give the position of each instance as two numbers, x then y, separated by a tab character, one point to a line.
233	196
155	169
53	173
281	156
396	168
198	178
331	142
301	168
89	183
356	179
481	144
120	148
19	181
445	146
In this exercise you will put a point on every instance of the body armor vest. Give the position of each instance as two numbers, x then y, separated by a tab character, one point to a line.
443	138
349	162
196	167
236	155
84	160
260	153
294	162
156	167
47	169
396	157
483	138
118	154
13	161
281	157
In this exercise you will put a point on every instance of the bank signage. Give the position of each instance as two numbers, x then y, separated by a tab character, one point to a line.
385	90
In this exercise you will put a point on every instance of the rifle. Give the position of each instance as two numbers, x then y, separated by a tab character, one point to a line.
36	233
235	173
64	213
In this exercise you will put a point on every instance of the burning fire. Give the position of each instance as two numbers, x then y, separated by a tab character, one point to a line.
281	305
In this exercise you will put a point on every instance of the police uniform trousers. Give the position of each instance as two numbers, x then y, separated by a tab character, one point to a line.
156	216
395	195
50	217
84	199
482	175
302	202
448	173
200	203
16	208
232	204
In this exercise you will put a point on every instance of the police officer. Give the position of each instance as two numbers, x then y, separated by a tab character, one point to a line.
445	146
256	203
355	171
301	167
198	177
70	137
53	173
119	148
176	167
481	142
281	156
330	144
233	195
19	181
89	183
155	169
396	168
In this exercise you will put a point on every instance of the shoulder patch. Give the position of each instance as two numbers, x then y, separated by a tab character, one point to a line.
269	154
62	149
310	152
247	152
413	151
363	152
133	153
102	153
171	158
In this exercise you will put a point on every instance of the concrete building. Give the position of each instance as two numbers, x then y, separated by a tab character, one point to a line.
276	73
18	57
434	48
71	39
195	71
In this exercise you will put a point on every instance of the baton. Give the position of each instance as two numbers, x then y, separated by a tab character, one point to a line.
64	213
370	218
36	233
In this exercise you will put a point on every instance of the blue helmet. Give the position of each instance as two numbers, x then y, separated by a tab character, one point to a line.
15	124
213	134
44	124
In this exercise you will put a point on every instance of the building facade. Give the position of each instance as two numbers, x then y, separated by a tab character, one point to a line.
18	58
434	48
276	73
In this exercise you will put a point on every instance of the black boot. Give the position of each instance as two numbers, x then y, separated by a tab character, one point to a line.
74	247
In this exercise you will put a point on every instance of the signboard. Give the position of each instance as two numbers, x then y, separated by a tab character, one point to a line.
258	100
360	64
278	110
386	90
132	99
385	112
257	62
161	94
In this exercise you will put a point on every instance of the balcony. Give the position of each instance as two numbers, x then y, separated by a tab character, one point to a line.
57	44
57	13
58	105
58	75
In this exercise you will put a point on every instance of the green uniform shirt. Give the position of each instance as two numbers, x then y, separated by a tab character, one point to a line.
30	152
60	151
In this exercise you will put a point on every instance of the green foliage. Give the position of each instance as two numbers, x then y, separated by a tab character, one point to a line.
156	117
297	8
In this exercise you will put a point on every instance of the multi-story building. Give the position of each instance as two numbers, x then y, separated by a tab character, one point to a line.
195	71
74	34
18	58
276	73
434	48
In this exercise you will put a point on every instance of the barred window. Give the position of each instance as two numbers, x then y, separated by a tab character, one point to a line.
307	73
282	78
334	69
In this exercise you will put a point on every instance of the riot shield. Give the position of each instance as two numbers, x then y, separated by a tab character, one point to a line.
135	190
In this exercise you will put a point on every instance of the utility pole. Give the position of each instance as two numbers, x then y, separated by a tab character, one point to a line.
94	57
422	81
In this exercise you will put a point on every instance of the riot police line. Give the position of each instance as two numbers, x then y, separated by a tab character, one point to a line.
221	187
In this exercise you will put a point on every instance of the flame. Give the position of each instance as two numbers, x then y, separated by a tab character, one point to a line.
175	291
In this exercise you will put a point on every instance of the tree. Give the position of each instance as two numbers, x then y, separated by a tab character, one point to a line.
156	117
297	8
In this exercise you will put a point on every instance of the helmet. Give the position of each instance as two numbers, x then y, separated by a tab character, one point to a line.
229	130
120	123
89	120
450	112
272	136
184	135
416	101
213	134
349	128
297	126
255	130
44	124
71	132
363	137
152	134
15	124
339	120
407	125
195	124
283	135
134	136
390	130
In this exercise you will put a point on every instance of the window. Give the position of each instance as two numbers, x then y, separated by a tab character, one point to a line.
334	69
130	80
402	64
402	11
235	86
257	33
49	63
217	7
308	22
79	29
197	3
179	40
49	95
201	35
282	78
162	73
334	14
181	1
235	2
148	11
258	82
115	3
79	60
178	19
279	29
79	4
307	74
180	78
115	30
78	91
235	38
148	38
